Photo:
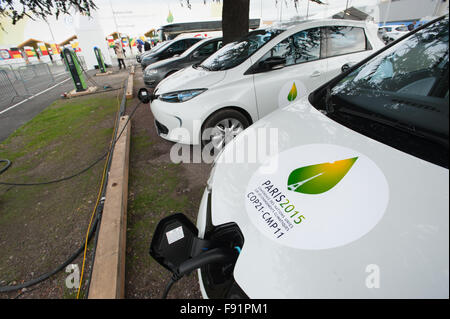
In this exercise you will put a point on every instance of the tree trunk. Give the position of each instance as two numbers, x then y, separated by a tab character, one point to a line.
235	16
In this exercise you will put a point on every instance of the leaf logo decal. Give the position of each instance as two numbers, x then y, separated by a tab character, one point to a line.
319	178
292	93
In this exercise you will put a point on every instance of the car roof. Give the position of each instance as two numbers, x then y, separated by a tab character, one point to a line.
292	27
304	24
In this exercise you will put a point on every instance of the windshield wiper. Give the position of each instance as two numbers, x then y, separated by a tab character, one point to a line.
328	102
203	67
395	124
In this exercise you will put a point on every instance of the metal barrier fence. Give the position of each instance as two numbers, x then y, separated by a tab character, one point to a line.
10	71
82	62
22	80
7	91
34	75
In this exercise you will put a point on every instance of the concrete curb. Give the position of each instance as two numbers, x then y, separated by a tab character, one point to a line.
88	91
108	275
129	93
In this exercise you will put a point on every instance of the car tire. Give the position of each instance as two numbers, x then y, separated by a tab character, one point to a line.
227	123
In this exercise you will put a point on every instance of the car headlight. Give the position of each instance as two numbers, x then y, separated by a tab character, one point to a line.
147	61
180	96
151	71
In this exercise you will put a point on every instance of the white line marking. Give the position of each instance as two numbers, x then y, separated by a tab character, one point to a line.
31	97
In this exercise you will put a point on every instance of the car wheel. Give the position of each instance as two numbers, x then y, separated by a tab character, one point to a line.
221	127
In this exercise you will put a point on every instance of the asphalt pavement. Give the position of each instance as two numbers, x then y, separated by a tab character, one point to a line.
45	92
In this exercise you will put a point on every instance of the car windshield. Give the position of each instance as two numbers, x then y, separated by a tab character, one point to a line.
404	88
160	47
235	53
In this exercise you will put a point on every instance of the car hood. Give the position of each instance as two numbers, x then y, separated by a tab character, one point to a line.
370	223
149	56
190	78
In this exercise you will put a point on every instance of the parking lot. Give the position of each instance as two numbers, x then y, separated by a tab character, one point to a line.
288	162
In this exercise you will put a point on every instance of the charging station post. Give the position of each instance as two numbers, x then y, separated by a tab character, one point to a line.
72	63
101	63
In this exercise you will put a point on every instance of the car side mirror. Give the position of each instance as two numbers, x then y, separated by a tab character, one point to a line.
272	63
345	67
144	95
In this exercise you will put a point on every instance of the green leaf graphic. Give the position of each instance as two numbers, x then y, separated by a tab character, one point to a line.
319	178
292	93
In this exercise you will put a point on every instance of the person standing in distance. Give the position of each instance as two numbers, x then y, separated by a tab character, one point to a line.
147	46
120	55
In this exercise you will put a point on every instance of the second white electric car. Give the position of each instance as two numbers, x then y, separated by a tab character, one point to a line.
248	79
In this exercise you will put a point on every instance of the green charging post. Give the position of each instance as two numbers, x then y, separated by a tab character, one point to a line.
74	66
101	63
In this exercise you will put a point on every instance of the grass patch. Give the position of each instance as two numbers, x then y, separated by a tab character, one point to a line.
40	226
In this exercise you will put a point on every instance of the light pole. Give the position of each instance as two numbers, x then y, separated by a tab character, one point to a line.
114	18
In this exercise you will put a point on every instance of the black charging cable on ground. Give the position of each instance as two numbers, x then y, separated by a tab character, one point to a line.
7	165
92	230
84	169
51	273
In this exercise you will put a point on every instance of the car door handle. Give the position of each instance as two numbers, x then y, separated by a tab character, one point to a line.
315	74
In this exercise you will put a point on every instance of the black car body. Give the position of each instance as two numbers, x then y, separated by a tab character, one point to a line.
167	50
157	71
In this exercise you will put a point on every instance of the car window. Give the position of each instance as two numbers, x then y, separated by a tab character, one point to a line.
235	53
343	40
193	41
401	95
179	46
304	46
208	49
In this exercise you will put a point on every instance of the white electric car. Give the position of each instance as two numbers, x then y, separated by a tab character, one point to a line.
355	201
248	79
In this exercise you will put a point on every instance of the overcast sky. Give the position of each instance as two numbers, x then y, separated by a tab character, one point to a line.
135	17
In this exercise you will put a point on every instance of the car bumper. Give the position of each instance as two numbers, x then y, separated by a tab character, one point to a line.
151	81
174	123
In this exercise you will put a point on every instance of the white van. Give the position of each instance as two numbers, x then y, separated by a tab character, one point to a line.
248	79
